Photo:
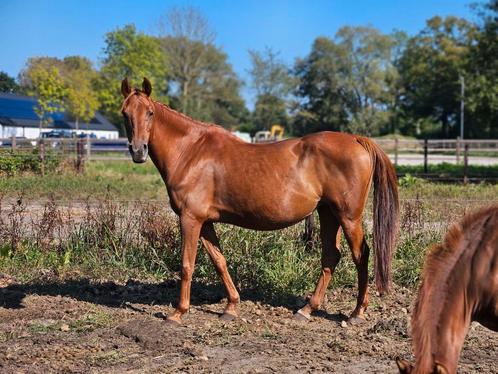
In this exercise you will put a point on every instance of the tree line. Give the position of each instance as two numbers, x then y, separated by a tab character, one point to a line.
360	80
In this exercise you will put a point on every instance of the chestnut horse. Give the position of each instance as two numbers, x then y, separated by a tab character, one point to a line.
460	285
212	176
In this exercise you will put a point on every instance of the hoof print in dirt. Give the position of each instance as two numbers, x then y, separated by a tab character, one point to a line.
395	325
172	322
227	317
355	321
150	334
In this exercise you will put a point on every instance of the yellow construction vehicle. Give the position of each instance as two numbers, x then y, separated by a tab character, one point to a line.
276	134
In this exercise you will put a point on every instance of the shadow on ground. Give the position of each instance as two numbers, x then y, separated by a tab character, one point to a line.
117	295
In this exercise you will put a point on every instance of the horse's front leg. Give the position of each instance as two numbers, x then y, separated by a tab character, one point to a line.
190	229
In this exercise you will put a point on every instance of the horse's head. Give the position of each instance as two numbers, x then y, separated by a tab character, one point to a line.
138	113
406	367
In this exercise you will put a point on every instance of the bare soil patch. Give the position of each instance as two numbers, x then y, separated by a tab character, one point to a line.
80	326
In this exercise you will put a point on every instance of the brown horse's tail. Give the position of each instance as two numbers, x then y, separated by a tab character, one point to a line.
385	212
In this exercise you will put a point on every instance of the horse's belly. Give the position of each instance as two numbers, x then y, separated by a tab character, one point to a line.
269	214
256	223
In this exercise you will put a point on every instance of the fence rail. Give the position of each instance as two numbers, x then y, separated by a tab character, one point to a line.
401	150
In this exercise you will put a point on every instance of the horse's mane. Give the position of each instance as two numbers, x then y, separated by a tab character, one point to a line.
167	111
462	240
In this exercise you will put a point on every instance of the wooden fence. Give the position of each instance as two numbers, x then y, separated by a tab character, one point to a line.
401	151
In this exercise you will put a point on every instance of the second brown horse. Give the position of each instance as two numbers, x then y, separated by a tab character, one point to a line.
212	176
459	285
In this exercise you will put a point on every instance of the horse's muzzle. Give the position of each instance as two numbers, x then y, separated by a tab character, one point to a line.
139	153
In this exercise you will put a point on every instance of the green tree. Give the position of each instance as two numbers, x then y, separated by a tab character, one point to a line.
430	68
203	83
78	76
185	39
131	54
364	77
46	84
7	83
269	110
481	98
272	82
397	122
215	95
320	106
345	83
81	99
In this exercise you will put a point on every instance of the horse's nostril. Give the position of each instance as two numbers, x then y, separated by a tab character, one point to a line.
145	147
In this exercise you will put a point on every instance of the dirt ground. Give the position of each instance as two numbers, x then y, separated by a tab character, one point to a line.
80	326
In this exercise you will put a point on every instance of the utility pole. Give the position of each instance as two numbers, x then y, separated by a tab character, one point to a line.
462	105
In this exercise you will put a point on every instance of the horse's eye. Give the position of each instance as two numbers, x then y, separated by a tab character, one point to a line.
150	113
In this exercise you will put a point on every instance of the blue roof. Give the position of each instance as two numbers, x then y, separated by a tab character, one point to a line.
19	111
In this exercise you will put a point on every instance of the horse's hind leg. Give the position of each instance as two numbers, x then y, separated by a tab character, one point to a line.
330	236
212	245
359	249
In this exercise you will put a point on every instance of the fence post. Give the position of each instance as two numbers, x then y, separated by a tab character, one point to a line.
80	158
88	146
13	143
41	156
466	164
396	151
458	150
426	153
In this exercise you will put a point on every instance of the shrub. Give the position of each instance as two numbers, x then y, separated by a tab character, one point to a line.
12	163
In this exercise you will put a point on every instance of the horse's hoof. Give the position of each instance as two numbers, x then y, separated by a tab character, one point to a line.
173	322
227	317
353	321
301	317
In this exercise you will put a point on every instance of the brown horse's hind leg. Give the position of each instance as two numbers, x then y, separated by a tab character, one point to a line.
359	249
190	236
330	235
212	245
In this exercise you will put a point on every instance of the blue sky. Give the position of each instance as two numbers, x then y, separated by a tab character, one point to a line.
68	27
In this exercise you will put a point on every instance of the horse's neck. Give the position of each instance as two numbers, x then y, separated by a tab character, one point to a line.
171	136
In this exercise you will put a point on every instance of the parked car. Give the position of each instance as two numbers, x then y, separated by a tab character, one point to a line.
58	134
83	135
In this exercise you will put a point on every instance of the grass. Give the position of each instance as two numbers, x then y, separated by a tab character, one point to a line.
112	237
124	180
93	319
412	187
119	179
108	242
451	170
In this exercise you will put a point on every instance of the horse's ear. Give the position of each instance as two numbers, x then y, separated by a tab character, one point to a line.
404	366
146	87
125	87
440	369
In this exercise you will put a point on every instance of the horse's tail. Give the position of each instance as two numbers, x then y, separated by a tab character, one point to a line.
385	212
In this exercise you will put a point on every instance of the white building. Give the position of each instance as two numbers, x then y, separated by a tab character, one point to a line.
18	118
